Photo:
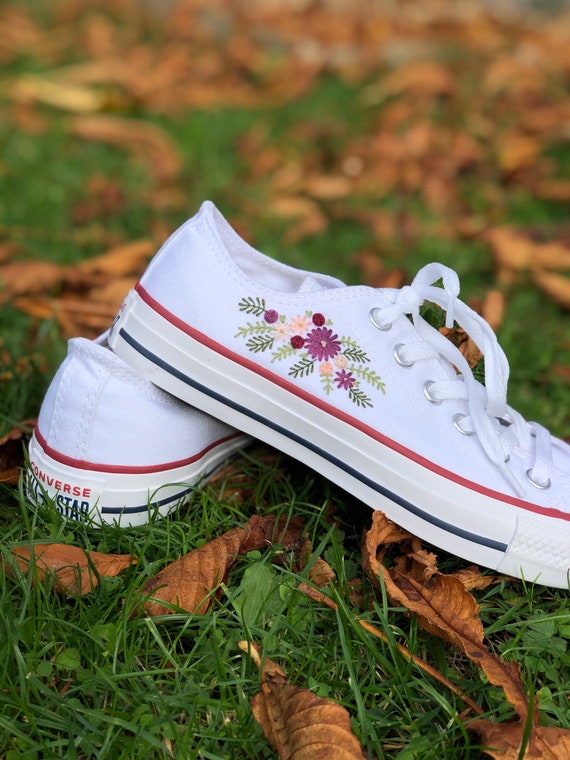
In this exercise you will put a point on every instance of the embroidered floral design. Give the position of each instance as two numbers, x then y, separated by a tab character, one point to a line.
310	342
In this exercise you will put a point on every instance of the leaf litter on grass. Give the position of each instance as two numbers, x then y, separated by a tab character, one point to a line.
458	112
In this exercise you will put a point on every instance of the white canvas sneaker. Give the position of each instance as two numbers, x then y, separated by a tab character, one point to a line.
111	447
355	383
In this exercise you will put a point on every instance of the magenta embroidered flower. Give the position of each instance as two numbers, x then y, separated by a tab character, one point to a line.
271	316
326	368
322	344
319	319
344	379
297	341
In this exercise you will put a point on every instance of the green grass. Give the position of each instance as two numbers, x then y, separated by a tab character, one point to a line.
79	677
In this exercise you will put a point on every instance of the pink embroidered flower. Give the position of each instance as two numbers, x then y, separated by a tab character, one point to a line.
319	319
271	316
340	361
322	344
344	379
326	368
300	324
297	341
281	331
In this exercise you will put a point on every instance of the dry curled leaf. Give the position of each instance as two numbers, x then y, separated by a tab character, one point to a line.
442	605
12	452
190	582
298	724
503	741
72	569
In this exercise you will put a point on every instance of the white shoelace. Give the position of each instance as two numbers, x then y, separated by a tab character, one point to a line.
500	428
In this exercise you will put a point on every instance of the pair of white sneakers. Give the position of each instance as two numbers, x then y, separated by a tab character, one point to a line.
351	380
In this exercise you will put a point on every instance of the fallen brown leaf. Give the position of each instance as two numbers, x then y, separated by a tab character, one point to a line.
146	141
191	581
555	286
12	452
442	605
298	724
72	569
23	278
320	572
503	741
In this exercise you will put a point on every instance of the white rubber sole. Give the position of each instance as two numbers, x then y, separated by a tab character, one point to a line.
124	496
476	525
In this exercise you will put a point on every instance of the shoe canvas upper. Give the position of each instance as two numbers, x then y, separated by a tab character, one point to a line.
322	341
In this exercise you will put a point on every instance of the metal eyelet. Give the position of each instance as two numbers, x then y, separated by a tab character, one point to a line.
427	394
398	358
536	484
375	322
457	424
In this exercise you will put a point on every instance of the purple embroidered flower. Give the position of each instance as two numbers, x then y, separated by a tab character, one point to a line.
344	379
271	316
297	341
319	319
322	344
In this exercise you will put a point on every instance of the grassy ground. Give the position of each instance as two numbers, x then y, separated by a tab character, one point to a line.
78	677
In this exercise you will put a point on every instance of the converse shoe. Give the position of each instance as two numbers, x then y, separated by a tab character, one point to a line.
341	378
110	447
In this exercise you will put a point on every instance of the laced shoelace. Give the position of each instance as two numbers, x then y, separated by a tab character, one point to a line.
500	428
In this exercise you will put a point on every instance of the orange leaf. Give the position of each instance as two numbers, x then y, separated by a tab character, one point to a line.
298	724
72	569
190	581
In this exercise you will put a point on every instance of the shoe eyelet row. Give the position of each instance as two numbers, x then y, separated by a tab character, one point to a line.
398	358
427	385
542	486
374	314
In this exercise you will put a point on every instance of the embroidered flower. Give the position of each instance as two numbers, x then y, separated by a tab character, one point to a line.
344	379
300	324
281	331
340	361
309	343
322	344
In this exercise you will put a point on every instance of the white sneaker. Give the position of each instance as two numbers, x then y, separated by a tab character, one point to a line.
341	378
111	447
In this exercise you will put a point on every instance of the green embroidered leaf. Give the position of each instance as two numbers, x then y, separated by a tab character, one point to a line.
252	328
303	367
251	305
359	397
364	373
352	350
327	383
259	343
283	352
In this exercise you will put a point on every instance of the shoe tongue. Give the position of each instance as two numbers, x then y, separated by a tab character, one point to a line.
309	284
